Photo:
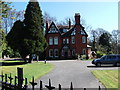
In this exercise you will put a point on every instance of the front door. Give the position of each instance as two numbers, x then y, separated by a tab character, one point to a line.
66	55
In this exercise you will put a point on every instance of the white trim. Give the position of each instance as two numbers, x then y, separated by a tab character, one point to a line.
50	50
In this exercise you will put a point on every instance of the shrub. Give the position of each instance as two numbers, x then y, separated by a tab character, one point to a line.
83	56
99	54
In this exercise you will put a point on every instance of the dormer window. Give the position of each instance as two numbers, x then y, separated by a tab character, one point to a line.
64	30
73	33
53	29
82	32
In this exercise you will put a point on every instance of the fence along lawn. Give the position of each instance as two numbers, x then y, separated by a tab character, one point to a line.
36	69
109	78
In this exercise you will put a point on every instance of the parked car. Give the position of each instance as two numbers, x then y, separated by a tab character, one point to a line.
107	59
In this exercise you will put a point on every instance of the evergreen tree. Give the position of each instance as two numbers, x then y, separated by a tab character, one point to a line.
27	37
104	41
15	37
34	40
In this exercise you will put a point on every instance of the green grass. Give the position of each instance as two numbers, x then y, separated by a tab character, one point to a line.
36	69
109	78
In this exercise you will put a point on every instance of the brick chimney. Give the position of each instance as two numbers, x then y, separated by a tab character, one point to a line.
77	18
69	23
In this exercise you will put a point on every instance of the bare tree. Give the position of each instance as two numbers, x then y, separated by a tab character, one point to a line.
12	16
47	17
115	41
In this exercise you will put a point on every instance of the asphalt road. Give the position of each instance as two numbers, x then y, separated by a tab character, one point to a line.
75	71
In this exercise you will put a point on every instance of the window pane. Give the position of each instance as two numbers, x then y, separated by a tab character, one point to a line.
73	40
63	41
83	39
73	52
55	40
84	51
67	41
56	52
50	41
50	53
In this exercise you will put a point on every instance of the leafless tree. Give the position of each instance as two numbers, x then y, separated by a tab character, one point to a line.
115	41
47	17
12	16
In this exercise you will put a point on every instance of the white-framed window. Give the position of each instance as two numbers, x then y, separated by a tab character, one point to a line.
50	41
55	40
73	52
73	40
67	41
84	51
83	39
56	53
50	52
63	41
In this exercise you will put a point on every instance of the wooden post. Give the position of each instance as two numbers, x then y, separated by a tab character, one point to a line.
20	77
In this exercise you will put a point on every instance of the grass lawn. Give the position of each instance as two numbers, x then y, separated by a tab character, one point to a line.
36	69
109	78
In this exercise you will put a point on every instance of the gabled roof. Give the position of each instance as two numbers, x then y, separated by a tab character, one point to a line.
67	34
55	27
64	31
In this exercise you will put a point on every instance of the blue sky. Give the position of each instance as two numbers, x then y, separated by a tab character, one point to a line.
96	14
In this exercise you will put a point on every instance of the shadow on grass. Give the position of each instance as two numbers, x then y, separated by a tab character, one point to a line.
12	62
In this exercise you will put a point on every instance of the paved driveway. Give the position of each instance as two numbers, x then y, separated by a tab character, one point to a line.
74	71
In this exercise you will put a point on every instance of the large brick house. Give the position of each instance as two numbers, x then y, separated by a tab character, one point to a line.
65	42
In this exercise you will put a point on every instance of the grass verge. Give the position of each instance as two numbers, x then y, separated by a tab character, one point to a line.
109	78
36	69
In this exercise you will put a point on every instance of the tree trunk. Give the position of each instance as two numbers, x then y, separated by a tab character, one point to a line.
30	59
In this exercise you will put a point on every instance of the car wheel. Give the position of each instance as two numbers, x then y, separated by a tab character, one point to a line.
98	64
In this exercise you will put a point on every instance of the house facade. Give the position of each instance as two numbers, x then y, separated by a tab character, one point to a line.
66	42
